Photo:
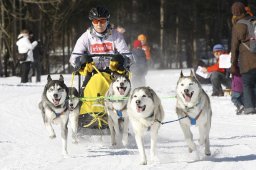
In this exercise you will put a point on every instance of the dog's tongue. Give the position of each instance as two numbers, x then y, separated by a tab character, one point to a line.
56	102
121	91
139	109
187	98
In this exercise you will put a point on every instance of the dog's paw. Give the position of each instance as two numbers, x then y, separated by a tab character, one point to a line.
113	144
190	150
195	155
52	136
143	162
208	153
124	142
75	141
155	159
65	154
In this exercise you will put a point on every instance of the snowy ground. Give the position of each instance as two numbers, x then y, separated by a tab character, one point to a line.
24	144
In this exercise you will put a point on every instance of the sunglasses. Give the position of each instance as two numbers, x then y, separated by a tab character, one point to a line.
101	21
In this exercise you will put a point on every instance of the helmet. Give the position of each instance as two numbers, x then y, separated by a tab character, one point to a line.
99	12
218	47
142	37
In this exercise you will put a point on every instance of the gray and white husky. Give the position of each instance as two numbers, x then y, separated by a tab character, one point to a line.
54	108
116	108
74	111
145	111
193	102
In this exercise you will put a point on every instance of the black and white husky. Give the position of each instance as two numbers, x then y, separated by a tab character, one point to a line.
54	108
145	111
74	111
116	107
193	104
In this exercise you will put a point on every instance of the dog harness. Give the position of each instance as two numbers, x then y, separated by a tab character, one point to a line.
58	114
193	120
119	113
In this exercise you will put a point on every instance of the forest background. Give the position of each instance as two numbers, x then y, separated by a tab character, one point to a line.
180	32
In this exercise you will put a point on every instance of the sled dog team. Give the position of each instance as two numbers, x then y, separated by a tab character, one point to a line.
60	105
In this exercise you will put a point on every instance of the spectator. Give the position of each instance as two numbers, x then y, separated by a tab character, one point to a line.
247	59
237	92
120	29
218	75
140	68
145	47
36	65
25	47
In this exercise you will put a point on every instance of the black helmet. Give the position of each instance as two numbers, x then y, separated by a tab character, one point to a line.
99	12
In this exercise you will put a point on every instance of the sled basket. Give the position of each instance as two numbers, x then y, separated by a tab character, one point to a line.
92	112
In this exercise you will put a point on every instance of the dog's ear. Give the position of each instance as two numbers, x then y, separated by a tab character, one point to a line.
113	76
126	74
61	78
181	74
49	78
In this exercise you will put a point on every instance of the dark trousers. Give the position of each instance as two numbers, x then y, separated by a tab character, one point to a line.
37	67
249	85
237	99
24	70
217	79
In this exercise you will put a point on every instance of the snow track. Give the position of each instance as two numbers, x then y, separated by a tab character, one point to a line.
24	143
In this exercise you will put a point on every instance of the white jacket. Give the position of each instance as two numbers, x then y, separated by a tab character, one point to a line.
25	46
90	43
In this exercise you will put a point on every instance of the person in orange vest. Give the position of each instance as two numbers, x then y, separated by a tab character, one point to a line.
143	39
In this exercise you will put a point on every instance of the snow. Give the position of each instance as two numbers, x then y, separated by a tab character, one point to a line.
24	143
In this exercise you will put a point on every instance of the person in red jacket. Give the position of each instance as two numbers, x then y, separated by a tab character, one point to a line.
218	75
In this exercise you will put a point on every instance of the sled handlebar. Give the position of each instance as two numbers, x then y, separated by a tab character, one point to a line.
109	56
103	55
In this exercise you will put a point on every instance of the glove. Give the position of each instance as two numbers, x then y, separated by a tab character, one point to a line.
117	63
86	69
85	59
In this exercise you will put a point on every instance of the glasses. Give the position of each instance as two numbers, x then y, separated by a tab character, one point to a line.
101	21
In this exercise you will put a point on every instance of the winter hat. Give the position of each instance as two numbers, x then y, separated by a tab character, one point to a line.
218	47
142	37
238	9
136	44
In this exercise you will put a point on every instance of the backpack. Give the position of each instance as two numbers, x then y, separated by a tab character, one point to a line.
251	28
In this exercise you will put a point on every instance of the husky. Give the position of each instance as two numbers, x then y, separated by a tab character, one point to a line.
193	106
116	109
54	108
74	110
145	112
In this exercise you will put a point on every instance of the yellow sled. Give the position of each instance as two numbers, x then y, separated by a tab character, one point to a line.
92	112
